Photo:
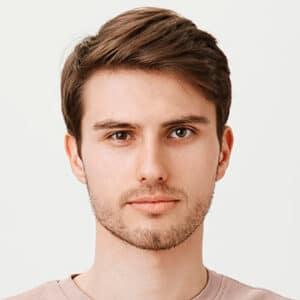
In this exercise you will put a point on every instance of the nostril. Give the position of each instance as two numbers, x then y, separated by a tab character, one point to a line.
159	179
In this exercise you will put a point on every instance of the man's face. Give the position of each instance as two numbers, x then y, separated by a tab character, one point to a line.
123	163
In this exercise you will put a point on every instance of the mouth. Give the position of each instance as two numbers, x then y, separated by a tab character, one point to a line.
153	199
153	205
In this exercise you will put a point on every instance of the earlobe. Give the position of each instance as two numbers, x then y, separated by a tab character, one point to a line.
220	157
224	157
75	160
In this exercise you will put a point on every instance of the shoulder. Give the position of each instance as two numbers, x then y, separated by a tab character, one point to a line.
233	289
46	291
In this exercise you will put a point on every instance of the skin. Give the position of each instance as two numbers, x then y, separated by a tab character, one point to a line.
140	255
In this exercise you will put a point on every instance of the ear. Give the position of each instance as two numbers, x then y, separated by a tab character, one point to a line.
227	143
75	161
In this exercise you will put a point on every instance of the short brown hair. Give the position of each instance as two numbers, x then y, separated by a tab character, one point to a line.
148	38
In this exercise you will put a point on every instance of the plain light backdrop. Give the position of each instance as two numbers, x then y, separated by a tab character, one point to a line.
46	223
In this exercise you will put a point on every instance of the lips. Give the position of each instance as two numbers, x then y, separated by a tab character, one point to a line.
157	205
153	199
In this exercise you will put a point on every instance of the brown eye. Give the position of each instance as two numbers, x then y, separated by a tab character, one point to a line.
181	132
119	135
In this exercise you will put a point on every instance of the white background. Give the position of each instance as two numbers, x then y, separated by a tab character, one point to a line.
46	224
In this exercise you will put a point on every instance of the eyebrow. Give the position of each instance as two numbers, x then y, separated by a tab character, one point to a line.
111	124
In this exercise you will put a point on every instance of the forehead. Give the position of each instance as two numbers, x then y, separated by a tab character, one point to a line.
141	96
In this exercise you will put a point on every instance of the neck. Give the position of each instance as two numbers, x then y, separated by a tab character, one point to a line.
177	273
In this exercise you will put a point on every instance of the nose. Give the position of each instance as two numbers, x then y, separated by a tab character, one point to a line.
151	164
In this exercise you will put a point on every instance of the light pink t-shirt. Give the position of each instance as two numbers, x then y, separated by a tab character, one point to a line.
219	287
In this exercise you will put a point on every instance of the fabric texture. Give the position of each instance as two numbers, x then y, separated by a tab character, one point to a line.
218	287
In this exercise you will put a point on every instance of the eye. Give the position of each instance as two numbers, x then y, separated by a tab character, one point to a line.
118	135
181	131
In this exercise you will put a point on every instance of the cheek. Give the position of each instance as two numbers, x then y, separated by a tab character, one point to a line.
105	169
196	167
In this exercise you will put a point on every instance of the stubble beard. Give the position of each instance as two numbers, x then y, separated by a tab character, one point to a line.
150	239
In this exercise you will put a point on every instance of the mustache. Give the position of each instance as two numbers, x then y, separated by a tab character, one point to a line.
152	189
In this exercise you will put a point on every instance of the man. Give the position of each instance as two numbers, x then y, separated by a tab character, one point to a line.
146	101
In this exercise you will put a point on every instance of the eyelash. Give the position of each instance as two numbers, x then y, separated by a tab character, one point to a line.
127	131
